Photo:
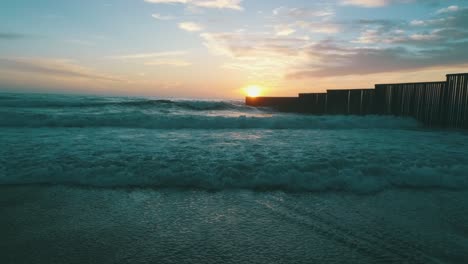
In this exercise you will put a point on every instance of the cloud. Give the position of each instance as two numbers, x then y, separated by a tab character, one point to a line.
239	44
168	62
168	58
418	23
57	68
382	3
162	17
308	20
453	16
319	27
374	60
449	9
303	13
148	55
11	36
383	46
436	31
190	26
260	55
366	3
284	30
219	4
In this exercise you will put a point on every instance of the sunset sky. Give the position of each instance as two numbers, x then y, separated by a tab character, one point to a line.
214	48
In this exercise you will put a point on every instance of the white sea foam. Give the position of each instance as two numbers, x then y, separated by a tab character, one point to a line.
79	112
362	161
197	121
122	142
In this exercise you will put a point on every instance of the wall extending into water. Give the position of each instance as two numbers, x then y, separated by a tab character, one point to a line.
423	101
442	104
455	101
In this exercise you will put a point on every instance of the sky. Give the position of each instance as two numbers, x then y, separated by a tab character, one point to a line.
215	48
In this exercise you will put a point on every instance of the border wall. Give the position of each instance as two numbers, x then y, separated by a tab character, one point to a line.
455	108
440	104
313	103
423	101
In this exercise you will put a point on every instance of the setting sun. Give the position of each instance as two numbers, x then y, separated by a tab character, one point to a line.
253	91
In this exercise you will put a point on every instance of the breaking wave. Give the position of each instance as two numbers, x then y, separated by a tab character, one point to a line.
219	145
161	121
135	103
361	178
80	112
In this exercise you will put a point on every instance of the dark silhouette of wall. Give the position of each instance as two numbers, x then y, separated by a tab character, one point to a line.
350	102
313	103
442	104
455	107
337	102
423	101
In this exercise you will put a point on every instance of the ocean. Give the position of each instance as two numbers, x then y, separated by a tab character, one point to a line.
93	179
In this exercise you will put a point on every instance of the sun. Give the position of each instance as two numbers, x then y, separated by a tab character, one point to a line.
253	90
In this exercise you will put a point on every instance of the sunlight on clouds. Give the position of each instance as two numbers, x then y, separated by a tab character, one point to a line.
310	20
366	3
168	62
268	59
167	58
54	68
303	13
190	26
284	30
220	4
149	55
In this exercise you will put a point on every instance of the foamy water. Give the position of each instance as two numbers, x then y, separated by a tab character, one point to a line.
119	142
140	180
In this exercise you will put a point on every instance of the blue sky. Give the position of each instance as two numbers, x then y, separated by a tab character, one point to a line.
214	48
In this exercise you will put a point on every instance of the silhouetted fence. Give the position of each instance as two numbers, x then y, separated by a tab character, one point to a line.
423	101
350	102
337	102
433	103
313	103
456	101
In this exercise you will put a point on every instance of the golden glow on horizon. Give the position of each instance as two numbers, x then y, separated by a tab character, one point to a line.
253	91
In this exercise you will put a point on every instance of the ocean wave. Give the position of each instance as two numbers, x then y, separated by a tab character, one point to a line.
138	119
361	179
301	160
96	102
